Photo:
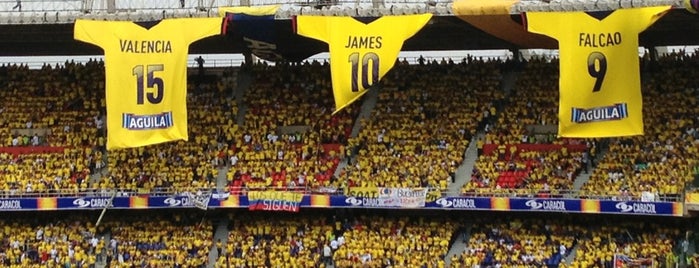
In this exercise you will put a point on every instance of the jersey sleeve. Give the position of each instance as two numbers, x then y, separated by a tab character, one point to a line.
546	23
413	23
315	27
198	28
648	16
90	31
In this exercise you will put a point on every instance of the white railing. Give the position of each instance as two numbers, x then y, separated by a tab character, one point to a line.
99	6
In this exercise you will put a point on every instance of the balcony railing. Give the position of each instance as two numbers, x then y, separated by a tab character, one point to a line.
521	193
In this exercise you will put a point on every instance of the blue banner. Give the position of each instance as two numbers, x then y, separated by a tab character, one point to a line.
593	206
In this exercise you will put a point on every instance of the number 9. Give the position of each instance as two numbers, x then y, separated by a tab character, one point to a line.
597	68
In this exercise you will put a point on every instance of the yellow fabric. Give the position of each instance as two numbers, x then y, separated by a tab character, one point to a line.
494	17
146	73
360	54
253	11
595	102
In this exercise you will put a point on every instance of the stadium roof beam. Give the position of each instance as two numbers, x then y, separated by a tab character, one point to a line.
377	8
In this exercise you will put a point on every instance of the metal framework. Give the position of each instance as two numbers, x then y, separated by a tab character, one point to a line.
66	11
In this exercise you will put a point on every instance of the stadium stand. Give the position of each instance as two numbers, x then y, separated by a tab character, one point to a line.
320	239
420	128
160	240
58	240
659	164
519	153
51	127
183	165
273	240
290	139
516	242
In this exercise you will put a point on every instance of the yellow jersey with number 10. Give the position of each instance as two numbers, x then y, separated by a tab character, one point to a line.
600	86
146	76
360	53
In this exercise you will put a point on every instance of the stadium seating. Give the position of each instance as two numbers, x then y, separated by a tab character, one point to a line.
377	241
291	138
661	162
420	128
48	127
516	242
160	240
629	241
182	165
519	153
593	241
52	241
274	240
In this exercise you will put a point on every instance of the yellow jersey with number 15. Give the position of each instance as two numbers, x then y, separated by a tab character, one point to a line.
146	76
360	53
600	85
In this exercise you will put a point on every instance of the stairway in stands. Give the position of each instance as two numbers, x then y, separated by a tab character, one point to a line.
244	81
221	233
463	173
459	245
370	99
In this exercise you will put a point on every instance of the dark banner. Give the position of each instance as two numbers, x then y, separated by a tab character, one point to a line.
290	201
256	30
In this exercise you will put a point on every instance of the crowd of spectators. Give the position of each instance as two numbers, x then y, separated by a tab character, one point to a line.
315	239
529	116
288	124
661	162
415	137
29	241
175	240
339	238
517	242
423	121
56	113
181	165
642	242
572	241
267	240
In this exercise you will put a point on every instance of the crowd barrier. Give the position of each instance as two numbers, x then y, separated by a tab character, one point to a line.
308	201
489	148
18	150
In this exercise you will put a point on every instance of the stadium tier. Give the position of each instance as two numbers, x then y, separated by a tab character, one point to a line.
470	134
325	238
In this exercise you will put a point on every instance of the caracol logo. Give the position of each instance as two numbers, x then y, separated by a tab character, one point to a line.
533	204
445	203
172	202
623	207
81	203
457	203
10	204
353	201
93	203
546	205
643	208
177	201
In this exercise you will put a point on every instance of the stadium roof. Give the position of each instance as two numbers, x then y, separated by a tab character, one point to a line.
46	33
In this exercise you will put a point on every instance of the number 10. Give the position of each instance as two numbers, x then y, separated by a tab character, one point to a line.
354	60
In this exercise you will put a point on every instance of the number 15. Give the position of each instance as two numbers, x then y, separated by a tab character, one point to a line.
151	82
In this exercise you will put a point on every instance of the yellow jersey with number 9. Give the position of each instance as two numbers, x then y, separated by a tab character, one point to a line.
360	53
600	85
146	76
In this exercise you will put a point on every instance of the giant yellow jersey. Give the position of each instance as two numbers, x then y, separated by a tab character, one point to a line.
360	53
146	76
600	85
